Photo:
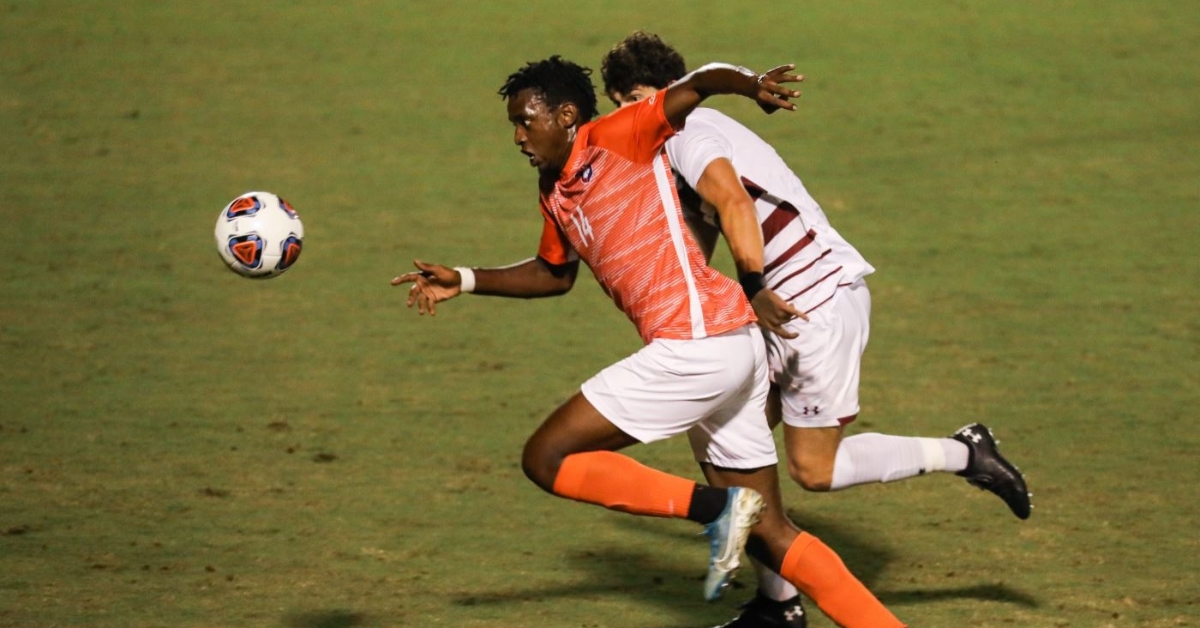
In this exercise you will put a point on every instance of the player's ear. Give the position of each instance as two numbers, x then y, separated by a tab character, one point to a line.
567	114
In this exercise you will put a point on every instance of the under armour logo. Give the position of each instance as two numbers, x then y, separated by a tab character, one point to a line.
974	436
794	613
812	410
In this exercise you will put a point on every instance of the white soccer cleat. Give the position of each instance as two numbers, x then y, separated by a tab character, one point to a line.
727	536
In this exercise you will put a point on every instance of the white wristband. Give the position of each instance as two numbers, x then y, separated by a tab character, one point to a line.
468	279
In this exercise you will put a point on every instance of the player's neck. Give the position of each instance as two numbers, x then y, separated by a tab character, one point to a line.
547	179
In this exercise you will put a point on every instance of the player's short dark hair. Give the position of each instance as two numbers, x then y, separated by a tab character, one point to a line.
640	59
558	81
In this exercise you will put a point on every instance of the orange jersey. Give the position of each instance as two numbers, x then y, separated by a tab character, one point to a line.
615	206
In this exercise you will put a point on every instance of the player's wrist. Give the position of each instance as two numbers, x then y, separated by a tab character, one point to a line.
752	283
466	279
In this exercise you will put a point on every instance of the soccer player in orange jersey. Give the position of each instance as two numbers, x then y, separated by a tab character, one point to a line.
607	198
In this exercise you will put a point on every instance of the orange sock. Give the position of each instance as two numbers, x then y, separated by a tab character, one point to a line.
822	576
622	483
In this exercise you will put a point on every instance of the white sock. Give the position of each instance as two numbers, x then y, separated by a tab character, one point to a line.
956	454
772	585
865	458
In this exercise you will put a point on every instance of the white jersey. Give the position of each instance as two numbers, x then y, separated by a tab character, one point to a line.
805	259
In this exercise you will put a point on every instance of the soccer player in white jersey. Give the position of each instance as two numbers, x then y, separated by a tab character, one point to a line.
607	198
814	359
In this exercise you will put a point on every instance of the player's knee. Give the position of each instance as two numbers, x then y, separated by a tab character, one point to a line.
811	477
539	465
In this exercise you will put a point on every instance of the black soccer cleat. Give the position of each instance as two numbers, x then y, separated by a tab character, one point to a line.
763	612
988	470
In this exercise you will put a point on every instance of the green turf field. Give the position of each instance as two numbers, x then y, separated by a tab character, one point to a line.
183	447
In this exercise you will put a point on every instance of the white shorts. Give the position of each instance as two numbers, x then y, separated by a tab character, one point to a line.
817	372
715	389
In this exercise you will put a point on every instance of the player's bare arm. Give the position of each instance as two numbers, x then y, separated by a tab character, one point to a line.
684	95
720	187
532	278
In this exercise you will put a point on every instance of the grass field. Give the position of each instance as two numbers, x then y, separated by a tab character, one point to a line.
182	447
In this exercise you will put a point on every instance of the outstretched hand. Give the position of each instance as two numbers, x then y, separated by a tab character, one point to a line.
773	313
431	284
772	96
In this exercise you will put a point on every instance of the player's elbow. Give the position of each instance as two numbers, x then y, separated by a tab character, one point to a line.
557	279
561	286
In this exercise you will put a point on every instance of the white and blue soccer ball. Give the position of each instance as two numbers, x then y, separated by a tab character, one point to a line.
259	235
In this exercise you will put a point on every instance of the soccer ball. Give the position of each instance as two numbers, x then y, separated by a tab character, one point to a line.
259	235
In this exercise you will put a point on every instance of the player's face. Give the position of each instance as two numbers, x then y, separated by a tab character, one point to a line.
543	133
639	92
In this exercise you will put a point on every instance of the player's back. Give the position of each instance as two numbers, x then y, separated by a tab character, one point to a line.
805	257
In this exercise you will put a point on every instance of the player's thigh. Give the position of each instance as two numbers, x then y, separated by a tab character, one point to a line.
577	426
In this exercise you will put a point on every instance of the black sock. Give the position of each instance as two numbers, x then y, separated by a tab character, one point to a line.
707	503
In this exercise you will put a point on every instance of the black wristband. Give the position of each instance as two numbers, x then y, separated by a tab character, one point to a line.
752	284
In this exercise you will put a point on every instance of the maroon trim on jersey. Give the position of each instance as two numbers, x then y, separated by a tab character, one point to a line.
814	285
775	288
781	217
752	188
791	252
783	214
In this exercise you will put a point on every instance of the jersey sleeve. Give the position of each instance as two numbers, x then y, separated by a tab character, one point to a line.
554	246
693	149
636	132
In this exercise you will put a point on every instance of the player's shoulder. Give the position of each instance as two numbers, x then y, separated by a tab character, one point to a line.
706	116
709	123
625	123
